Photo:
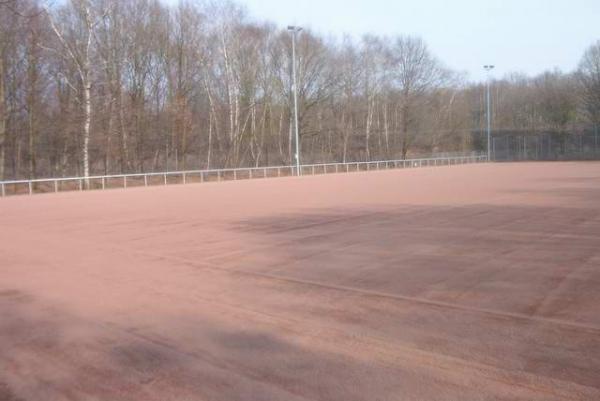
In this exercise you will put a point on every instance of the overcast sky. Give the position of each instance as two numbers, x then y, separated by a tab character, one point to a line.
527	36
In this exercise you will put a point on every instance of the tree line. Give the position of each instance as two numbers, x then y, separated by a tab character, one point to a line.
116	86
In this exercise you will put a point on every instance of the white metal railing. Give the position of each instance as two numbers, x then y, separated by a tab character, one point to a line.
30	187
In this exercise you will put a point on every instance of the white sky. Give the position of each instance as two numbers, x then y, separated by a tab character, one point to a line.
528	36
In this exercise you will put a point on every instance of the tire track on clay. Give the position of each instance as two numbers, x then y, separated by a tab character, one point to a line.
590	328
396	356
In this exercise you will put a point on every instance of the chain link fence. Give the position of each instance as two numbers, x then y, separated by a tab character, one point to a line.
546	146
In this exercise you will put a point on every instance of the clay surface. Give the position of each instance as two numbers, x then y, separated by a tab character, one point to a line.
471	282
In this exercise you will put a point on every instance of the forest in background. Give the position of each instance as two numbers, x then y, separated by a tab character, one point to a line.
119	86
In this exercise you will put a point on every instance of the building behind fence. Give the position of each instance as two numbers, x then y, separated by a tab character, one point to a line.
546	146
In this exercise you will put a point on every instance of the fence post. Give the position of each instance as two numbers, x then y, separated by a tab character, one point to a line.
124	181
30	188
55	186
3	190
219	175
184	179
145	180
265	172
165	178
313	170
81	185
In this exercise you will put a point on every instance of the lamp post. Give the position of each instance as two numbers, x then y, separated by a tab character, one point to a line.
488	69
295	30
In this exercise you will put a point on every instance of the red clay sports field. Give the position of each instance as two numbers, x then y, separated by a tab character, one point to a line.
471	282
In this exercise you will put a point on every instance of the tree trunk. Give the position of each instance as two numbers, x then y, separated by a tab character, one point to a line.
405	141
32	72
32	134
87	119
124	151
369	122
280	135
208	152
386	125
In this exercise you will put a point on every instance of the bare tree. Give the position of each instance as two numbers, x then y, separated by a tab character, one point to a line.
34	72
136	85
75	31
589	78
415	72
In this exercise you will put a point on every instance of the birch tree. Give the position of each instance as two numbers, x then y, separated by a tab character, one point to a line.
74	29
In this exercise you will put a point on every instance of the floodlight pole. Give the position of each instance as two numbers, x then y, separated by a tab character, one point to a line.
295	30
488	69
